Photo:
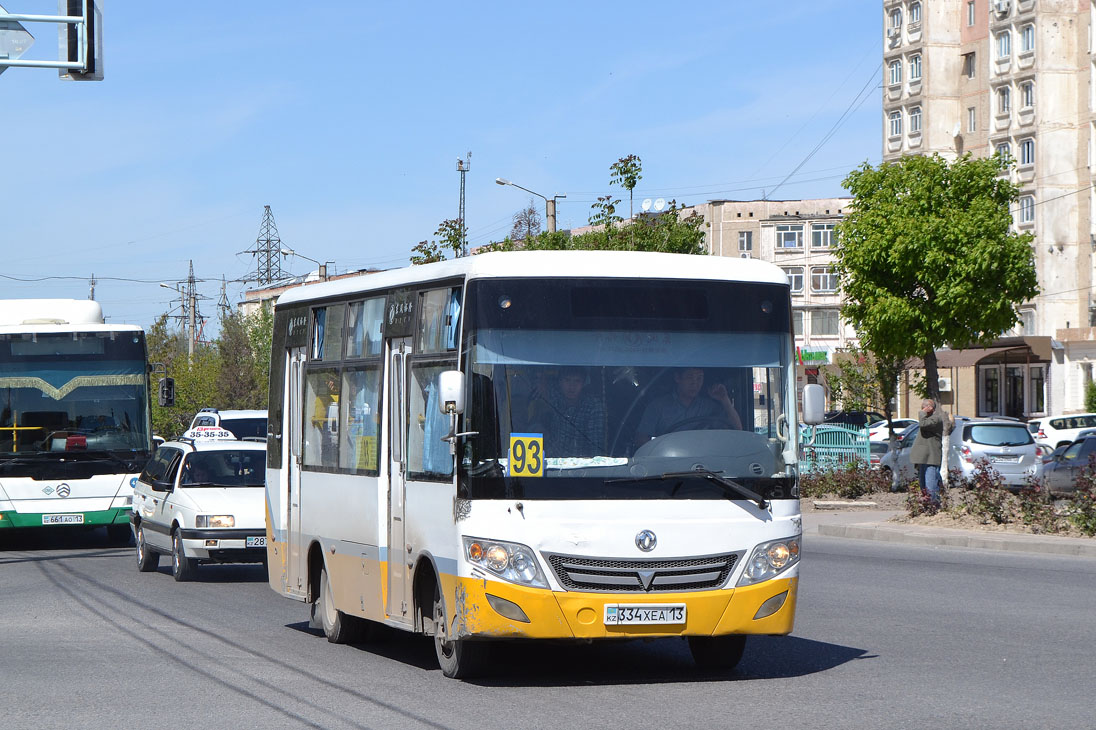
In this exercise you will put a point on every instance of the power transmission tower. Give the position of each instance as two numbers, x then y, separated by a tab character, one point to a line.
463	166
91	293
188	307
267	252
222	303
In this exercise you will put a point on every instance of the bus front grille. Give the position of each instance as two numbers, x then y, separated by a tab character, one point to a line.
642	576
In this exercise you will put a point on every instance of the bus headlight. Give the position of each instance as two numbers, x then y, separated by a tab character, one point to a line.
770	559
214	521
508	560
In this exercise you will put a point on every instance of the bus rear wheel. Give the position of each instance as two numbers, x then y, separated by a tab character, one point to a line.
337	626
458	658
717	653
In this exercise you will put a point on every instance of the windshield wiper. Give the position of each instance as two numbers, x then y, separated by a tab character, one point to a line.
728	485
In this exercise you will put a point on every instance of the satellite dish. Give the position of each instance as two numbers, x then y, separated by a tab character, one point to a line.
646	204
660	204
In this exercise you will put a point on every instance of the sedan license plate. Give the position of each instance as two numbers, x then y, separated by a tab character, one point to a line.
621	614
62	519
256	541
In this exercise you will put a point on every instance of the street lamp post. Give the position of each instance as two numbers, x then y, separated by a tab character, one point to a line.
323	267
549	203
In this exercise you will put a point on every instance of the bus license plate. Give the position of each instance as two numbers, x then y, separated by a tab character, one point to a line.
62	519
256	541
619	614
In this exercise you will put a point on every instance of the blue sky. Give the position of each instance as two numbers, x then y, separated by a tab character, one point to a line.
347	118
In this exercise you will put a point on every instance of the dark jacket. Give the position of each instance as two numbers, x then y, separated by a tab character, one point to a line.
927	447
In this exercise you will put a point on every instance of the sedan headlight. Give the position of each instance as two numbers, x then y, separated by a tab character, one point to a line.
214	521
508	560
769	559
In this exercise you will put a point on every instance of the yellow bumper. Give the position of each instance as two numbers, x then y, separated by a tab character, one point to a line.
567	615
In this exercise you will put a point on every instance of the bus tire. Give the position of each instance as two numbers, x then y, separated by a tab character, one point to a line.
717	653
458	658
182	567
119	534
337	626
147	560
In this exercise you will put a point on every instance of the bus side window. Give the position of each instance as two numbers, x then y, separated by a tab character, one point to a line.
321	419
427	454
439	320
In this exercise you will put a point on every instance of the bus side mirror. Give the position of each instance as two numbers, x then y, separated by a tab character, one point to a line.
814	404
167	392
451	391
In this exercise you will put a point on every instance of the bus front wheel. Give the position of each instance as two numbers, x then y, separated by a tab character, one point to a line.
458	658
717	653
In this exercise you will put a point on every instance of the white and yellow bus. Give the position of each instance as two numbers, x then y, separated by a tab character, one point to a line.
539	445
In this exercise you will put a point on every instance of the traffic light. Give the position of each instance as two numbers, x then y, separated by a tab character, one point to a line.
167	392
92	40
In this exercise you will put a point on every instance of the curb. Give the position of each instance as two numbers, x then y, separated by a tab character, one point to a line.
942	537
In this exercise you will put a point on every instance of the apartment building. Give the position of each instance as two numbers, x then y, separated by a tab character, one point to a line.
1015	77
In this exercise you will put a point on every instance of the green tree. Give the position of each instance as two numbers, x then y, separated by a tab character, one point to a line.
627	172
860	381
450	235
926	257
243	361
1090	396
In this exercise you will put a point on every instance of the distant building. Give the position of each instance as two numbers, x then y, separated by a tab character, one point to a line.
265	297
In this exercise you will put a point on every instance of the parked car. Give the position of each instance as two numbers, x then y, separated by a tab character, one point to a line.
1061	472
860	419
242	423
1058	430
1006	444
897	458
878	431
878	449
201	500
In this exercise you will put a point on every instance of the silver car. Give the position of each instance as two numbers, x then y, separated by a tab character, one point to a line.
1006	445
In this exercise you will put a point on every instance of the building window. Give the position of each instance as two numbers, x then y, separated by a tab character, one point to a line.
1004	44
1027	210
915	120
822	235
1038	385
797	322
824	323
990	390
1027	321
1027	94
823	279
915	13
896	124
972	119
915	67
1027	152
795	278
896	18
970	12
968	65
745	241
895	72
789	236
1005	150
1027	39
1004	100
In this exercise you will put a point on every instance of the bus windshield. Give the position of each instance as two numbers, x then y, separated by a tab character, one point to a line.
628	390
73	393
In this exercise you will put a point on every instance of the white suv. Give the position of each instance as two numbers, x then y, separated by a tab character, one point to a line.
201	500
1058	430
249	424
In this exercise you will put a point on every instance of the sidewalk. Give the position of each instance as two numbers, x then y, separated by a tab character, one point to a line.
874	524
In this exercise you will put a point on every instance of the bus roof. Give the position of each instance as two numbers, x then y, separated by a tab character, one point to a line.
50	311
551	264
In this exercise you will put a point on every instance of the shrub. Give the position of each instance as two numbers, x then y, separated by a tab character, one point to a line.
852	480
1090	396
987	498
1037	507
1081	508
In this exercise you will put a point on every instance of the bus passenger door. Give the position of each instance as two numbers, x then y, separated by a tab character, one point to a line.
296	573
398	350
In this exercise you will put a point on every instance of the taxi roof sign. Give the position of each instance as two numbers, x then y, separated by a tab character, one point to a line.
210	433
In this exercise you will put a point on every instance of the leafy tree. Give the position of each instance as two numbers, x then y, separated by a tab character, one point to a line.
626	172
240	380
526	223
450	233
927	258
863	382
1090	396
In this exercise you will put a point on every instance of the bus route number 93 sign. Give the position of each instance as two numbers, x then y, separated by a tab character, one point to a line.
526	455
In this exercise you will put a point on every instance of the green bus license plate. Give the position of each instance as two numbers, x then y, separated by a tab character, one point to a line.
62	519
621	614
256	541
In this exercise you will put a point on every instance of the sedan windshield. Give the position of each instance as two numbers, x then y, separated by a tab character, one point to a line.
225	468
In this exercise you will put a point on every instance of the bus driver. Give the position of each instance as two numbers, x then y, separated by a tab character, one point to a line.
687	408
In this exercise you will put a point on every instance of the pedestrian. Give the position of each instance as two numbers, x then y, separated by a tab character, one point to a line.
927	450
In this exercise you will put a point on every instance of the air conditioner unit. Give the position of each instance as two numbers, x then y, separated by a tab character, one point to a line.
1001	6
746	256
945	385
893	32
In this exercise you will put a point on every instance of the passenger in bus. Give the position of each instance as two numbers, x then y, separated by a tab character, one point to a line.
571	418
686	408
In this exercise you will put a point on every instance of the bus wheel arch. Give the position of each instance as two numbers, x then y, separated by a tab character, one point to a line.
425	581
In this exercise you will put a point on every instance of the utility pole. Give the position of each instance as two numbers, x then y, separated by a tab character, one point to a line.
192	307
463	166
93	282
267	250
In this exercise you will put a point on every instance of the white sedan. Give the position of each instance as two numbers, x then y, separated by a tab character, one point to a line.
878	430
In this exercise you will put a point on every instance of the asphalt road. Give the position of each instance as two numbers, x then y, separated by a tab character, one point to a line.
887	637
